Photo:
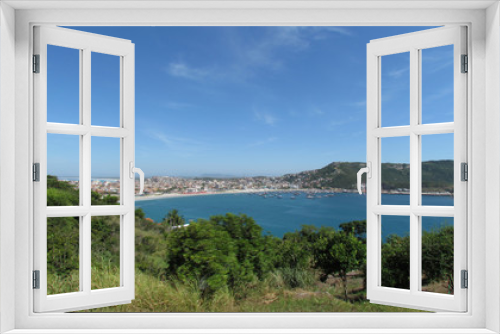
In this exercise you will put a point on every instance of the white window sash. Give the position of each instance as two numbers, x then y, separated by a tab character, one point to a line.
413	43
85	298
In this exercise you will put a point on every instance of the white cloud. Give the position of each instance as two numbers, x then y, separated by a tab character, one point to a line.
181	145
438	95
398	73
263	53
182	70
264	117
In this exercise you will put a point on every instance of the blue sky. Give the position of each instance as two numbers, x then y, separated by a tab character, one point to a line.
246	100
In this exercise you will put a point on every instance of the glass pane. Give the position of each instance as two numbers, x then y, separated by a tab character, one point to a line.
63	260
437	169
395	180
63	170
437	254
396	251
105	170
437	84
105	252
395	89
63	85
105	90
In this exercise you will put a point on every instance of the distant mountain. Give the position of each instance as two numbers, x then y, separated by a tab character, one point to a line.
437	176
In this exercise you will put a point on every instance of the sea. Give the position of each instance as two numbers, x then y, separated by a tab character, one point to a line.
279	215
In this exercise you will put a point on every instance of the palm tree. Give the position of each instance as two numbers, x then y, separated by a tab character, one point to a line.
174	219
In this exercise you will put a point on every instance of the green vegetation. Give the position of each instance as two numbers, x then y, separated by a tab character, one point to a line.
437	176
227	264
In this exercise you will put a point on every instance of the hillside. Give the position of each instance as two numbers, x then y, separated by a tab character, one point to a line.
436	176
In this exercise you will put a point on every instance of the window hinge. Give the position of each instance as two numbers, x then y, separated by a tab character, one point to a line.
465	64
36	63
36	172
36	279
464	171
465	279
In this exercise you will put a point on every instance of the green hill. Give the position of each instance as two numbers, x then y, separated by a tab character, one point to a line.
437	176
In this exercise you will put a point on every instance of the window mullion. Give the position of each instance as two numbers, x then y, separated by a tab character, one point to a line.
85	165
415	188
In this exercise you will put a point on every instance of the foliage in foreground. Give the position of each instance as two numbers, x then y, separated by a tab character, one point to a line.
227	264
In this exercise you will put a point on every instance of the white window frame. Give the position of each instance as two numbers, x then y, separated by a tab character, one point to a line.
86	44
413	44
482	19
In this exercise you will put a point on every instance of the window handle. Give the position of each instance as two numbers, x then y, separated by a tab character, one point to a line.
368	171
139	171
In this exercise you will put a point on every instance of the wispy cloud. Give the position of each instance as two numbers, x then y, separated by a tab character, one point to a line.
262	142
266	52
184	146
397	73
438	95
183	70
265	117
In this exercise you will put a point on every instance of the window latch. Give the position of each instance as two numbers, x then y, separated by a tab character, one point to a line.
368	171
132	171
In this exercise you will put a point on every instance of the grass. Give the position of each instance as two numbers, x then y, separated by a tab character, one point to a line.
270	295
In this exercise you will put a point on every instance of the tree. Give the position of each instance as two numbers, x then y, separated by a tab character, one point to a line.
396	262
358	227
437	255
202	252
174	219
338	252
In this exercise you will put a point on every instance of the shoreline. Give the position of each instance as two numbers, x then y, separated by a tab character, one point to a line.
229	192
252	191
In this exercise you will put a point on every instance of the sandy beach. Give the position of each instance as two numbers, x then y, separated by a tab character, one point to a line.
247	191
174	195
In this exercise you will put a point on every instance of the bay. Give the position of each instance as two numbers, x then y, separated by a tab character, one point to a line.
287	214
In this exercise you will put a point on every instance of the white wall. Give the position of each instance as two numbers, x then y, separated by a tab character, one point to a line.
493	165
7	158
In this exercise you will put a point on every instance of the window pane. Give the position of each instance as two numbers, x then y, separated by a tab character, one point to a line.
395	179
105	252
105	170
63	85
437	169
395	89
105	90
396	251
437	255
437	84
63	260
63	170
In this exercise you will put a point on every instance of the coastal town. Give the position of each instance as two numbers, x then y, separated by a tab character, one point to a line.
163	185
337	177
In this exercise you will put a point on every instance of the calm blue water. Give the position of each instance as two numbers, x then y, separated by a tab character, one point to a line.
278	216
